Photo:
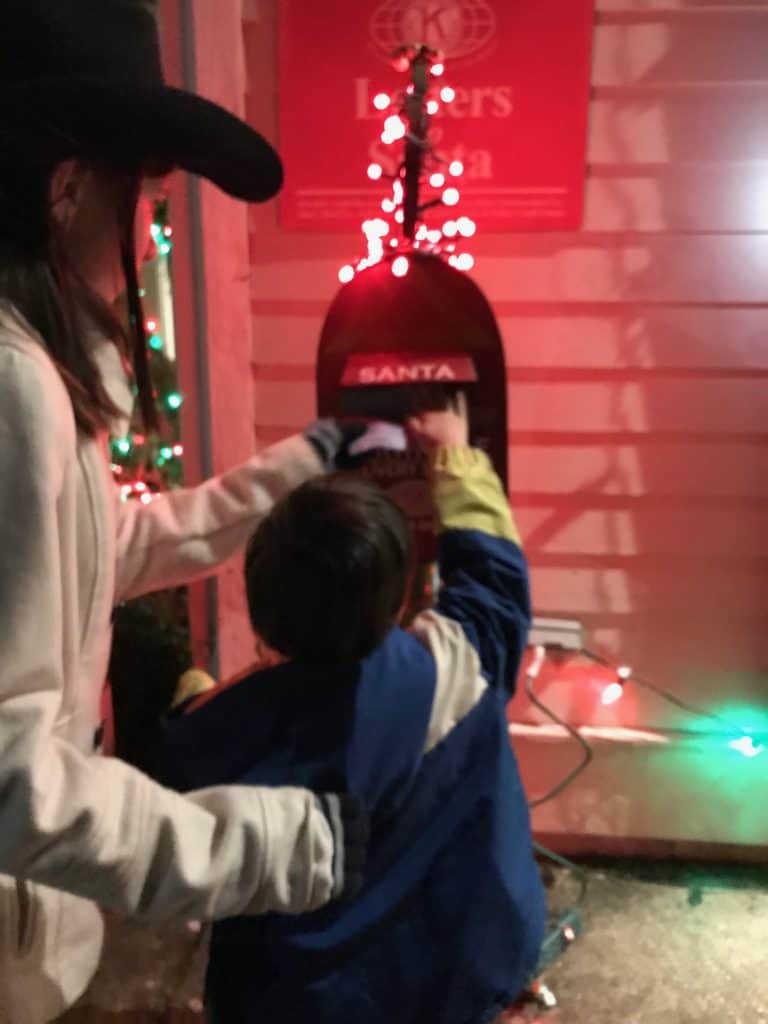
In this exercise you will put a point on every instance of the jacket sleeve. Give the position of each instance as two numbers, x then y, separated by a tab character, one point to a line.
94	826
484	575
184	535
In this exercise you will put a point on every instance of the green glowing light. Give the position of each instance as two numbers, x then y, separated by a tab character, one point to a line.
174	400
746	746
123	446
156	342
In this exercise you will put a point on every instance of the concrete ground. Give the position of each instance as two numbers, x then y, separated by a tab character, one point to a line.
664	943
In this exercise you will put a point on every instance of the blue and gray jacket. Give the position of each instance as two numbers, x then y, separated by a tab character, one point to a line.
448	927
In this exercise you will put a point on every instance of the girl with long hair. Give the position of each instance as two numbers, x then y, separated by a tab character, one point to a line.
88	129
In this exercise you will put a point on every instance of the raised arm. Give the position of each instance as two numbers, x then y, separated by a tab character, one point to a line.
482	566
484	575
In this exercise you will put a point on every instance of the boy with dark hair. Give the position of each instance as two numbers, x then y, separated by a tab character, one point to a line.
448	926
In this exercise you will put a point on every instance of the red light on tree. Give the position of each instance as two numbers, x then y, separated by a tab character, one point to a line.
400	266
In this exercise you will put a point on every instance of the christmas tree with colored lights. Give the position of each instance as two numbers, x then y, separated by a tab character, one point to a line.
420	214
150	648
145	464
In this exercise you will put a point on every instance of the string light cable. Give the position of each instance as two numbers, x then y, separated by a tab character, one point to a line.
742	740
532	674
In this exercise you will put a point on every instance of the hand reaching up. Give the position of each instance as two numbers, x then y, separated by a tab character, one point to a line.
442	428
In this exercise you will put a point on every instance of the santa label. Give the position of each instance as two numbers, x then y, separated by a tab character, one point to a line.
389	368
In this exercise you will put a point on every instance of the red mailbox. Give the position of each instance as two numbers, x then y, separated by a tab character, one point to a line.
390	345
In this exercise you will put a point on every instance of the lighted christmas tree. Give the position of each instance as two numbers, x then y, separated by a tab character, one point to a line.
144	464
419	213
151	636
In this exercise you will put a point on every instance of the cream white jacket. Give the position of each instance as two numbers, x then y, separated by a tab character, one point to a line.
77	829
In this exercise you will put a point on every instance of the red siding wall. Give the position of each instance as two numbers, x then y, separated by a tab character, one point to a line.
637	354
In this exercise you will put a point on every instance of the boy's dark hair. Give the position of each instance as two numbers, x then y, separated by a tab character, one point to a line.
327	571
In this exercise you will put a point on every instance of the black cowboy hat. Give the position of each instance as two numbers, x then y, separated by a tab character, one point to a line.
84	78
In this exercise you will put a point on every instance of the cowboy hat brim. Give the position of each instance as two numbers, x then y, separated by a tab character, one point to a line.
136	124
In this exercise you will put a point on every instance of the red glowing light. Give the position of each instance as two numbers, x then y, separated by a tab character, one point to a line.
400	266
381	100
146	498
387	206
178	449
612	693
450	228
437	69
447	94
151	326
346	273
437	180
569	934
465	261
456	168
399	216
434	236
432	106
375	171
168	231
451	196
140	486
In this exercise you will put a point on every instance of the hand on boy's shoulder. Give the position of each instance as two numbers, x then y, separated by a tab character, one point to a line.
442	428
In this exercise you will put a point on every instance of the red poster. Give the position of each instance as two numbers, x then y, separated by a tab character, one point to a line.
521	72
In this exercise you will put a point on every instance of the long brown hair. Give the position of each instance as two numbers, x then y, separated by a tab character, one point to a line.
38	283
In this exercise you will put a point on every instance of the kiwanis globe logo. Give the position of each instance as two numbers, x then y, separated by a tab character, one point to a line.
458	28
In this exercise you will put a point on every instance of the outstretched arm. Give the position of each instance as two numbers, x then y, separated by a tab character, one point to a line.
186	534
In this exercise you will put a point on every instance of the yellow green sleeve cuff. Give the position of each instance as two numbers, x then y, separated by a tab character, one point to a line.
468	494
